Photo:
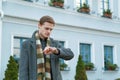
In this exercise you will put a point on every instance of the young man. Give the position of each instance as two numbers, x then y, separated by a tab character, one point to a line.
39	58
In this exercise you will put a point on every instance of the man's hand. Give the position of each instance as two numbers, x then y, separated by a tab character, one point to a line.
50	50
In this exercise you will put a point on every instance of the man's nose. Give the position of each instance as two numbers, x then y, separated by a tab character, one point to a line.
49	30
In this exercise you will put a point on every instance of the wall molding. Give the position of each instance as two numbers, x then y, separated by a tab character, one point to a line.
64	27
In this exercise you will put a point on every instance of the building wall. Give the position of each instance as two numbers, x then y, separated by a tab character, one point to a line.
0	33
9	31
21	19
0	43
98	40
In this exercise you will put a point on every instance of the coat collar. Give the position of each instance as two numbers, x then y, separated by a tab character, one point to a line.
33	42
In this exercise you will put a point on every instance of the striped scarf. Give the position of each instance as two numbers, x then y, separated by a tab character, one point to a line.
43	64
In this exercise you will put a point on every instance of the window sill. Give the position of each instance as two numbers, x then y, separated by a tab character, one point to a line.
94	69
65	69
117	69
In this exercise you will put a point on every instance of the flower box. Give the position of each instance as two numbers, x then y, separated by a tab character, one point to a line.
84	9
57	3
107	13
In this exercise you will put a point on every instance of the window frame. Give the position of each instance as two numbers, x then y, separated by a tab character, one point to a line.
107	2
107	54
101	6
114	54
89	49
92	49
64	61
80	3
12	40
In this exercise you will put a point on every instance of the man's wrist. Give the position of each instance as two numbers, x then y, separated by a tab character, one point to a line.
57	51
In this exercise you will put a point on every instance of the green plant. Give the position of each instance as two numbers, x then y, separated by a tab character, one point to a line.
11	72
52	0
110	66
108	11
80	70
56	3
85	6
89	66
62	66
117	79
28	0
61	1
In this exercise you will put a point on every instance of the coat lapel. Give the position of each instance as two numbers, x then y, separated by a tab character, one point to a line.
33	43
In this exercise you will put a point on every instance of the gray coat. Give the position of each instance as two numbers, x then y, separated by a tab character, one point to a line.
28	60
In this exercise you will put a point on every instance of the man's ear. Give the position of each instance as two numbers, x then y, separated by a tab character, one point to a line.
39	25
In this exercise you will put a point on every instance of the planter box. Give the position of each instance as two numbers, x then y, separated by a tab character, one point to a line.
58	4
84	10
107	15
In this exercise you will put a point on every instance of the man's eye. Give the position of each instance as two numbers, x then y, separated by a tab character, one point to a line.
48	29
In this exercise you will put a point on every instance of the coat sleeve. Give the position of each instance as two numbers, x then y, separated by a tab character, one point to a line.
23	63
64	53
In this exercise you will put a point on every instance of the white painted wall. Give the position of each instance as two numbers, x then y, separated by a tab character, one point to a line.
0	35
119	9
71	26
97	39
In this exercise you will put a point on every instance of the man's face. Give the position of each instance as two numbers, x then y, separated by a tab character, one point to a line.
45	29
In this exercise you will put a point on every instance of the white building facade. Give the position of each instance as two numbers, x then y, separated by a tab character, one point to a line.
95	37
0	33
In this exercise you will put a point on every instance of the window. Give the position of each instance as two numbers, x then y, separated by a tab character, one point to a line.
106	4
63	44
108	55
106	9
17	45
79	3
63	65
85	51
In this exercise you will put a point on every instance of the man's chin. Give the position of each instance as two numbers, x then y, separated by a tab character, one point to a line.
46	37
